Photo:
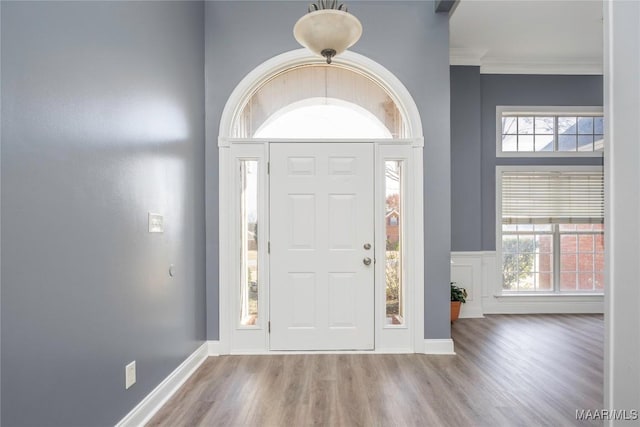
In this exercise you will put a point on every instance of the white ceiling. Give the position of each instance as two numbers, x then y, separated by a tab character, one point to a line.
528	36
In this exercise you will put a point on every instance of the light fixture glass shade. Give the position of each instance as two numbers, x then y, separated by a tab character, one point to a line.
327	32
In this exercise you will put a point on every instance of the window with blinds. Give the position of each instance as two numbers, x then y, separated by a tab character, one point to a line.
552	197
551	232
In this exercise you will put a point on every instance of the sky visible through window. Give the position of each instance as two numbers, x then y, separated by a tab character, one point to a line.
324	121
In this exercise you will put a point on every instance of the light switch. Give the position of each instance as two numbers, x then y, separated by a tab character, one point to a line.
156	223
130	374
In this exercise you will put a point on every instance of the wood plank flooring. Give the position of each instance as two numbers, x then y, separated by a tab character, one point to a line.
510	370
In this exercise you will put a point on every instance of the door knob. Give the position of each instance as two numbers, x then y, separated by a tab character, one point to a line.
366	261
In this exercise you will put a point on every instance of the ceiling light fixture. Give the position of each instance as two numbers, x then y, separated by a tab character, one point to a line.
328	29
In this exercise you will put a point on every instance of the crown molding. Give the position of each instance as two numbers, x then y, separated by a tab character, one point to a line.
510	65
495	65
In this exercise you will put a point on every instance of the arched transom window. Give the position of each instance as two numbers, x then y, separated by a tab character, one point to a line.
320	101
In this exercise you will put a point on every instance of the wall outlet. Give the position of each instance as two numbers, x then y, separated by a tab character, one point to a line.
130	374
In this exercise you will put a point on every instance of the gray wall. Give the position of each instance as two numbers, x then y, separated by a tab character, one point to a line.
411	41
102	121
466	148
499	89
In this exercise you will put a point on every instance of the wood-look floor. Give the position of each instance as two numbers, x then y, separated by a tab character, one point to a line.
510	370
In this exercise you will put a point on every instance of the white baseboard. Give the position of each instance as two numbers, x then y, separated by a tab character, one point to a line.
213	348
147	408
439	346
471	312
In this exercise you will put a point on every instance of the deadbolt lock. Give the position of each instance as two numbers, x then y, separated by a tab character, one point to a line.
367	246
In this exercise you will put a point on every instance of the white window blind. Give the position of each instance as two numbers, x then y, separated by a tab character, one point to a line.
552	197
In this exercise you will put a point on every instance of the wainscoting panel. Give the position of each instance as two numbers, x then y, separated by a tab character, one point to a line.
466	271
479	273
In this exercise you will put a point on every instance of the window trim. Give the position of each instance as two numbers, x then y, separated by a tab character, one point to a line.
254	339
360	63
538	110
499	291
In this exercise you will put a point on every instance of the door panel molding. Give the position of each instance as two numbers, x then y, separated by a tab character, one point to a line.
321	293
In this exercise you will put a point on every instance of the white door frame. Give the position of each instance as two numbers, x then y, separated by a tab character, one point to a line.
234	339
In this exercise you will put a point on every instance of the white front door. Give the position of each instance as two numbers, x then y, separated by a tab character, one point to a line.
322	253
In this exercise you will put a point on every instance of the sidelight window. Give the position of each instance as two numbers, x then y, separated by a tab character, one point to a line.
249	242
394	242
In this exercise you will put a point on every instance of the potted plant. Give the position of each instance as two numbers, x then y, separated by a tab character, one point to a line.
458	297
